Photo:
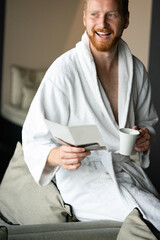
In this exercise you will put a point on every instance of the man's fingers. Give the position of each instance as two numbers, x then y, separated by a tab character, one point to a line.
67	157
70	155
142	149
143	139
135	127
72	161
143	142
144	131
72	167
67	148
143	145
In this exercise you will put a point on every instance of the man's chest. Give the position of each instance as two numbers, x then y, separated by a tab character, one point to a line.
110	86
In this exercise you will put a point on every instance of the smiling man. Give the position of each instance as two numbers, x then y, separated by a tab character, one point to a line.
104	22
97	82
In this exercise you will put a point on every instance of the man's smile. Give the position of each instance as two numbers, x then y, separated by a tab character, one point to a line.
103	33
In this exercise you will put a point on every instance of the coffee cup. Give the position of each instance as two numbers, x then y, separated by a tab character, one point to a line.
128	139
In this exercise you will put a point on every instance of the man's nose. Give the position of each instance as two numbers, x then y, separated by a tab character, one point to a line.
103	21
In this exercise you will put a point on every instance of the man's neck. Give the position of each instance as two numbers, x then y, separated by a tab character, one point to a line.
105	60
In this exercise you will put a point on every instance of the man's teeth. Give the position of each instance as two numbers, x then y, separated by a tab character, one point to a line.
102	33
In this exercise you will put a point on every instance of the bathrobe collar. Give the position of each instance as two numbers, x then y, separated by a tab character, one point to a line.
125	78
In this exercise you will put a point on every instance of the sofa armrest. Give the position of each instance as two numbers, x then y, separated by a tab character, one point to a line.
66	231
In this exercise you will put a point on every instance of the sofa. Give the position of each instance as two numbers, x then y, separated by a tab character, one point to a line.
31	212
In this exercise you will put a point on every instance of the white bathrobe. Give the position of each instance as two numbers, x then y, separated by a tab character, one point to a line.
107	185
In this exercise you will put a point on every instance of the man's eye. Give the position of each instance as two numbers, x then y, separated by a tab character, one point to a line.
112	15
94	14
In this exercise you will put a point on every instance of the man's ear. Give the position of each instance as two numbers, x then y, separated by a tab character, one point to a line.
126	23
84	18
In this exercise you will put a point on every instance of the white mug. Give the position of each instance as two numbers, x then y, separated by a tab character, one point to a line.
128	137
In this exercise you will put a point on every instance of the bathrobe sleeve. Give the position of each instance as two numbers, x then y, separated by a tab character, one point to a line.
52	103
145	114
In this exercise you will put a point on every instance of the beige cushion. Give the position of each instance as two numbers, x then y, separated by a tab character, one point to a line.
21	78
28	94
134	228
22	201
3	233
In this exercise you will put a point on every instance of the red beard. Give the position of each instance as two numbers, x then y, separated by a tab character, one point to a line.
104	45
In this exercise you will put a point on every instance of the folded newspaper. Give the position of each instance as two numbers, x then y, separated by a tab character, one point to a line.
87	136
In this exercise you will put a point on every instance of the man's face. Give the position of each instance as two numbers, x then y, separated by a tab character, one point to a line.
104	23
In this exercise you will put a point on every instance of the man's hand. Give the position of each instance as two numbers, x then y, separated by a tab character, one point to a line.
66	156
143	140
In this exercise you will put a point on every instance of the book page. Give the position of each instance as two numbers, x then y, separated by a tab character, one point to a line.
86	134
76	135
60	131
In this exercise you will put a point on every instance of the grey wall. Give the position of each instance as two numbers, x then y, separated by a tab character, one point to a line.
154	72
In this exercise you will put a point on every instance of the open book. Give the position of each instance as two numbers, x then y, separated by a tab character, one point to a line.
87	136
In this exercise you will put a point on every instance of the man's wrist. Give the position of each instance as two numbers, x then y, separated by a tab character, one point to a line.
52	157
